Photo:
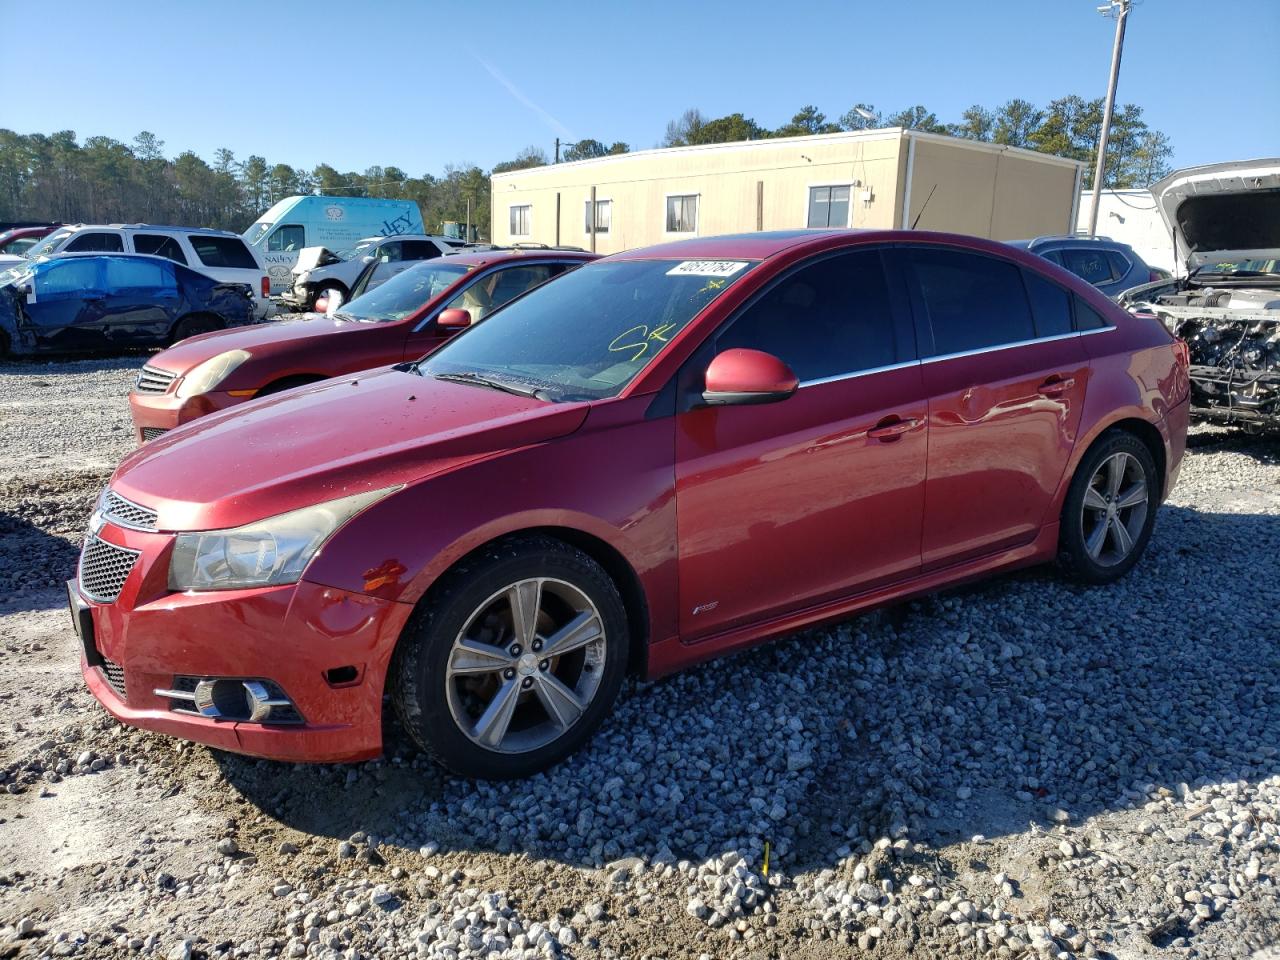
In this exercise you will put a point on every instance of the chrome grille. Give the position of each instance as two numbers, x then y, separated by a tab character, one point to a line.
104	567
150	433
153	379
115	677
127	513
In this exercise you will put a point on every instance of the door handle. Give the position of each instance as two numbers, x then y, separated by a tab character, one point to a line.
1055	386
889	430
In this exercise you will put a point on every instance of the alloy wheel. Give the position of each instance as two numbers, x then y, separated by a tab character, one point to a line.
526	665
1114	509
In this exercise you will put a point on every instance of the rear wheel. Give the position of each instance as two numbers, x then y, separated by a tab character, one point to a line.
1110	510
194	325
514	661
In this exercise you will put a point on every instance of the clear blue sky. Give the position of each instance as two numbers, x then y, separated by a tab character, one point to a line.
419	85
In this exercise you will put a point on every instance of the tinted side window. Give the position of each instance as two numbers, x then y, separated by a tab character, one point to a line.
489	293
1088	318
136	274
67	277
160	246
224	252
972	301
1050	304
287	238
96	242
1119	263
419	250
1091	266
827	319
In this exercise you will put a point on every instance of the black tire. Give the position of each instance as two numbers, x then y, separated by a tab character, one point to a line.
421	690
321	290
194	325
1079	522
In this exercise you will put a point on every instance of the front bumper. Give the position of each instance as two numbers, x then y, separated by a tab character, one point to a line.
161	412
293	635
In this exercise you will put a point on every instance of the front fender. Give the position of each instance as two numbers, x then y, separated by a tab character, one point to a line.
611	481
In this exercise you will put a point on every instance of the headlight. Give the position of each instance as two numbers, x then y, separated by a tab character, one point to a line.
263	553
203	377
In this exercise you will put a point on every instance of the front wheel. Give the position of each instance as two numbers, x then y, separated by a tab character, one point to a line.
514	661
1110	510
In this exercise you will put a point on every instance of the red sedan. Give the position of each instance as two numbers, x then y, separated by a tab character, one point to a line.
402	319
663	456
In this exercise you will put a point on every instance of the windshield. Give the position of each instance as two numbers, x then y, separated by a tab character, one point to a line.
350	253
403	294
589	333
49	244
17	273
1227	268
256	232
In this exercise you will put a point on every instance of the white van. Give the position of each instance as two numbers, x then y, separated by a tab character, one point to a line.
219	254
338	223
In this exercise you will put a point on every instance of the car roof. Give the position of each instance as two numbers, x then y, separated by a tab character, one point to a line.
767	244
483	258
1065	238
119	254
203	231
406	236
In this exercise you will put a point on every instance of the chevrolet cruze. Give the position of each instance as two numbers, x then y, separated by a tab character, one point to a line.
662	456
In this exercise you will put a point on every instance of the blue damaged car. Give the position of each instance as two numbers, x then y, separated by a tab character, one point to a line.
84	303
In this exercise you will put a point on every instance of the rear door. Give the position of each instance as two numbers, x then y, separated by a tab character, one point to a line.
140	301
821	495
1005	389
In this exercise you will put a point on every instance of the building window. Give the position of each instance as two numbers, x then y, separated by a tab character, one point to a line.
829	206
682	213
520	217
604	216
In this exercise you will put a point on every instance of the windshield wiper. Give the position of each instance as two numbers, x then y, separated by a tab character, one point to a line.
480	380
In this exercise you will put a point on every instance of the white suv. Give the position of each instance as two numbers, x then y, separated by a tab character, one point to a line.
215	253
320	272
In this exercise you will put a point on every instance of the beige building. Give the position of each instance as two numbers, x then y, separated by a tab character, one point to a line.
871	178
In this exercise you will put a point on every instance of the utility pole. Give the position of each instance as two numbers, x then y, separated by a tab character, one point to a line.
557	160
1121	10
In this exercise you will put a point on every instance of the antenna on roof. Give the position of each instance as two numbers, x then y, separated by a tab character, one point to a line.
922	208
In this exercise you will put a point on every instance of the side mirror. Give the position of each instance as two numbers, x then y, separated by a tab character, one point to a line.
453	319
740	376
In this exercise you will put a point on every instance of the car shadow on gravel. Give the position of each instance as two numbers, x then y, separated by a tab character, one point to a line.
33	565
1022	699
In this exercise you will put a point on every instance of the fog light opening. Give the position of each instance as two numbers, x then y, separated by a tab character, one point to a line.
342	676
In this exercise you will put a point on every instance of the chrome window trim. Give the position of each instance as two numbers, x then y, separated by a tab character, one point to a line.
1089	333
1000	346
860	373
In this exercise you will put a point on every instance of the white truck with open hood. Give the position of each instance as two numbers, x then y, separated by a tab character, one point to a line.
1224	221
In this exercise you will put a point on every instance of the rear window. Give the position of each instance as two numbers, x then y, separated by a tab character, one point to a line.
160	246
973	301
223	252
1089	264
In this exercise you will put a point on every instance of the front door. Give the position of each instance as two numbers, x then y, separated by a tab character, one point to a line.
1005	389
65	307
818	496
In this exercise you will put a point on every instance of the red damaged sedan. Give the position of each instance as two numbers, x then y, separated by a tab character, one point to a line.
661	457
402	319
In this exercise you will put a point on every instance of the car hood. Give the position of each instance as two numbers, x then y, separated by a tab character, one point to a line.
257	339
373	430
1223	211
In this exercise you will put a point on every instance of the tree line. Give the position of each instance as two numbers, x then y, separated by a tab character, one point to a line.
102	180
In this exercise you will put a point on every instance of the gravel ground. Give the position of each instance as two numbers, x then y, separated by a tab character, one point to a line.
1024	768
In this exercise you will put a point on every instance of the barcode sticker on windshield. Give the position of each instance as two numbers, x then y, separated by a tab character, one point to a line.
706	268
